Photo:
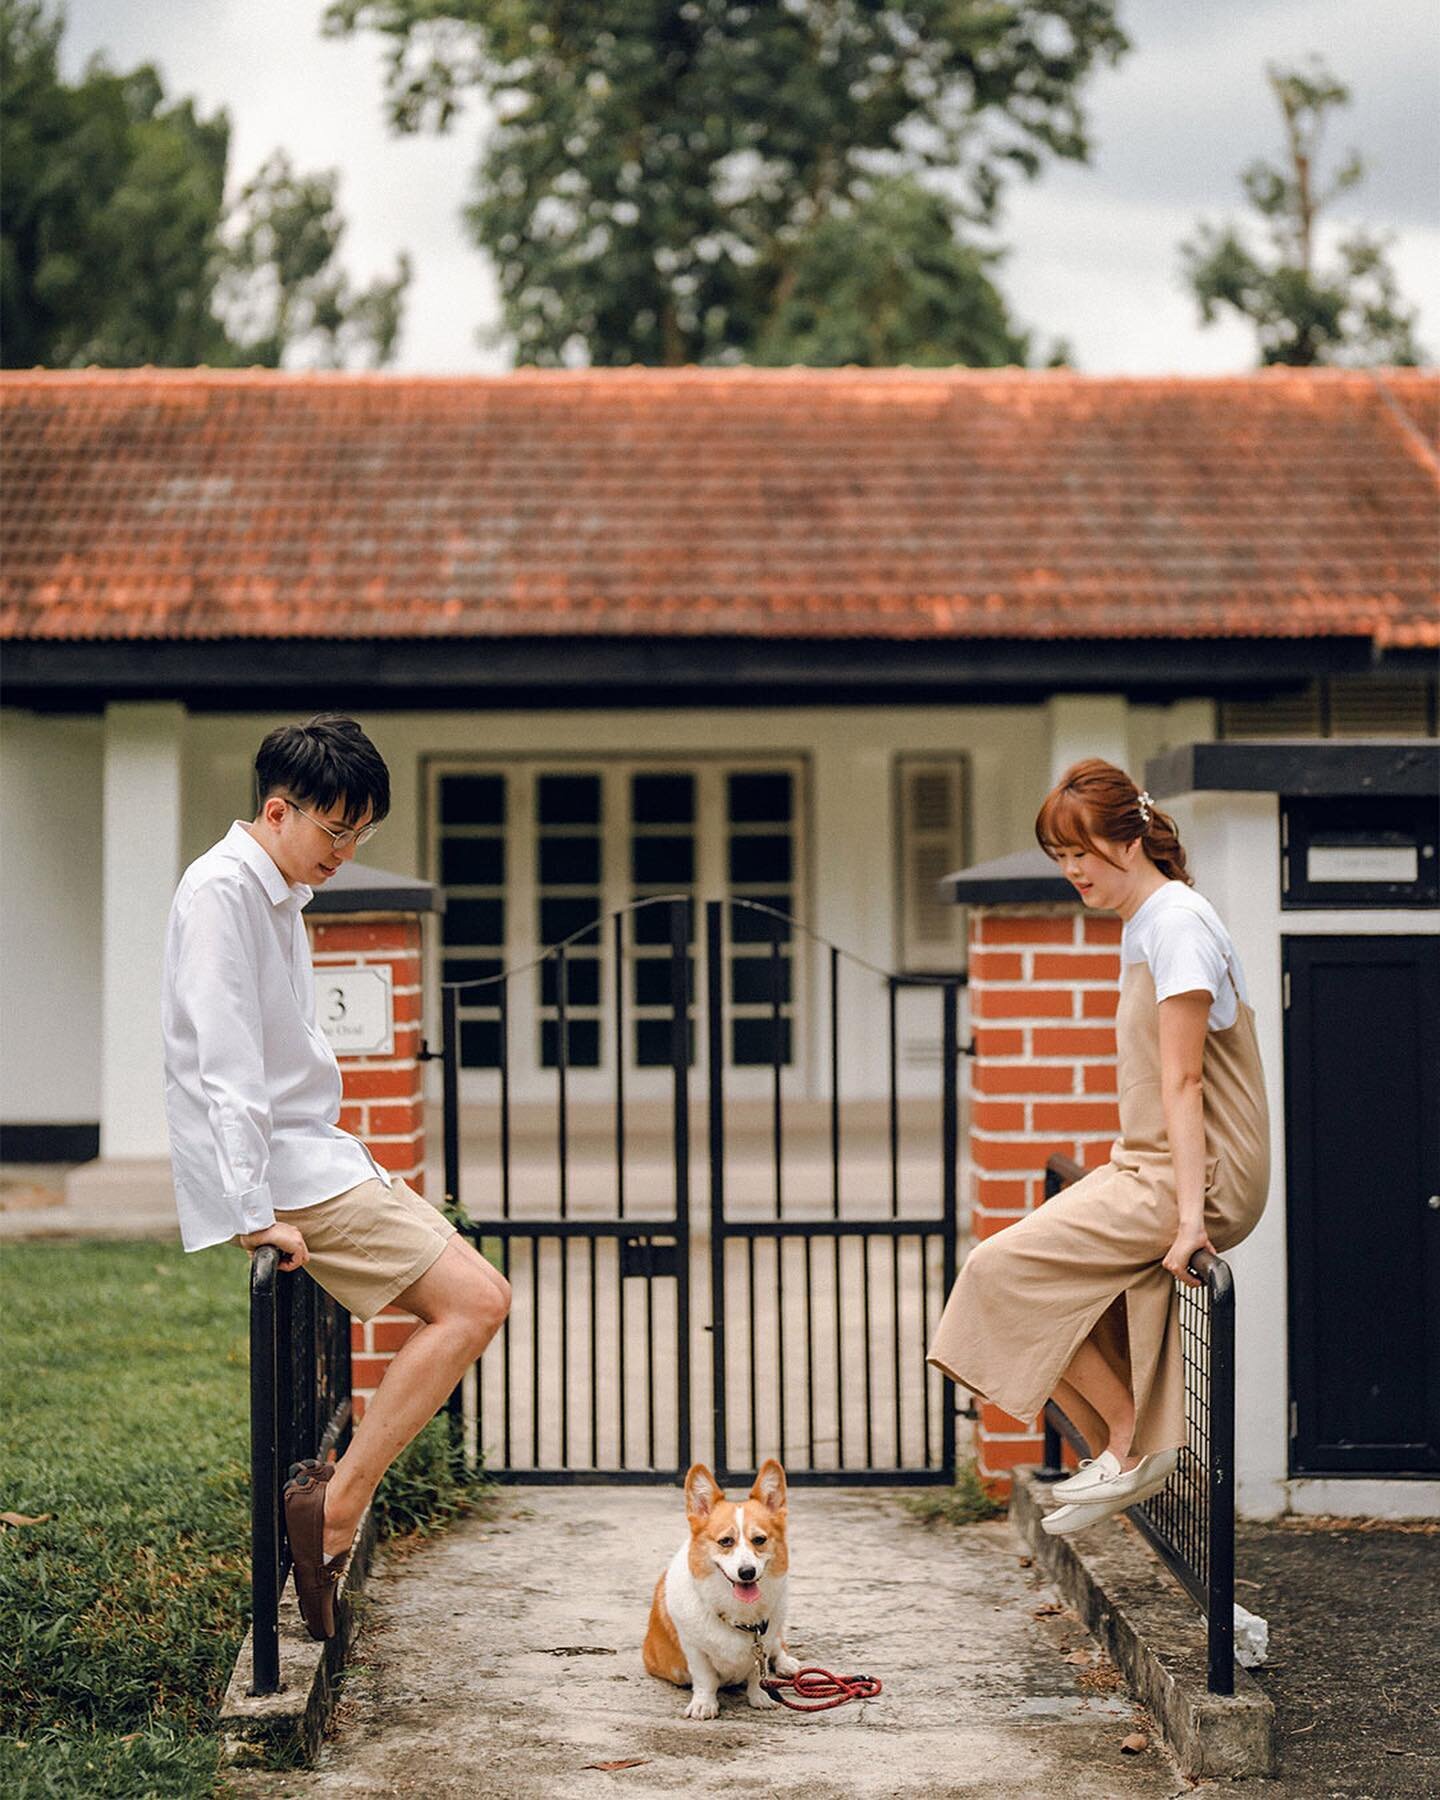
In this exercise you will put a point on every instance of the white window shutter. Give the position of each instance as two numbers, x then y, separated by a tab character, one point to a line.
930	801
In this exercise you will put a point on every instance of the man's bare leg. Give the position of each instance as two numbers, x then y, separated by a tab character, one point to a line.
462	1302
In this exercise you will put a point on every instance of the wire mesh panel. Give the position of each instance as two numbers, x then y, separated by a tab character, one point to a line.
1191	1521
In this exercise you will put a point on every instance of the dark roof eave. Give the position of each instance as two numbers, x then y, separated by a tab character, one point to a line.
443	672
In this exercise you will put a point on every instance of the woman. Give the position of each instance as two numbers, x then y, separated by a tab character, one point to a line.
1078	1300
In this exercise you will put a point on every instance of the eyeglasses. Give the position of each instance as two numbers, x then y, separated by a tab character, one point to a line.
342	839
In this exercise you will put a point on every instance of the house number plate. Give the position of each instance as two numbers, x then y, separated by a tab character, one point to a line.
356	1010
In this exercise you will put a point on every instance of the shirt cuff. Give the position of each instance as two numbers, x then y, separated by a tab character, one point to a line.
256	1209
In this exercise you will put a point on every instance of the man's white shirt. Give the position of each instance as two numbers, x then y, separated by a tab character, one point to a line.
252	1087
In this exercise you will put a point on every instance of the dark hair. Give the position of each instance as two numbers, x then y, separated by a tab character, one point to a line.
321	763
1093	800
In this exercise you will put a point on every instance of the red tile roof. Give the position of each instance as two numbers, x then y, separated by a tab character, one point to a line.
804	503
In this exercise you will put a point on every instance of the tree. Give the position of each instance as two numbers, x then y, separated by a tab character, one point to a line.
115	248
280	291
110	204
1303	314
665	179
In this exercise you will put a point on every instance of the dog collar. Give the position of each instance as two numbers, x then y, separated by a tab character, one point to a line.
755	1630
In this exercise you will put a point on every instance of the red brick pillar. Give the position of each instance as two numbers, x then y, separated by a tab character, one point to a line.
382	1093
1044	981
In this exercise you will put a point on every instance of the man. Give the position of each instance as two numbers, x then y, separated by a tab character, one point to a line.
252	1094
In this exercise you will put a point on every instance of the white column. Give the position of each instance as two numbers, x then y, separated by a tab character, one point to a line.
141	863
1084	725
1191	722
1233	845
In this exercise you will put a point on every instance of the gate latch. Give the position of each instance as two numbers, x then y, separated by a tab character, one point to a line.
649	1256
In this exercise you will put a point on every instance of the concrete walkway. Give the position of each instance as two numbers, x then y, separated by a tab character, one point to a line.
503	1660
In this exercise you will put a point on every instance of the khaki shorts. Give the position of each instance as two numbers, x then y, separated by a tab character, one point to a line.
370	1243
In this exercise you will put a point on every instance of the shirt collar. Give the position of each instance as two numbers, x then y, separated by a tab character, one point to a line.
243	846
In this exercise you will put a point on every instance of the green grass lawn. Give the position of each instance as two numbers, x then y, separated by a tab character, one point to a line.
126	1421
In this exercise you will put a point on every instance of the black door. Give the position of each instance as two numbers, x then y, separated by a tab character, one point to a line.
1362	1103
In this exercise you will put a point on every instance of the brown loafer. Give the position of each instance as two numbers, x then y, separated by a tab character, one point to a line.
315	1579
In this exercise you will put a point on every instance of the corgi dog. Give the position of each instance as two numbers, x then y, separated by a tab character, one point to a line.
718	1616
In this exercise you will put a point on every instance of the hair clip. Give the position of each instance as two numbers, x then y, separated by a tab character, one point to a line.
1145	803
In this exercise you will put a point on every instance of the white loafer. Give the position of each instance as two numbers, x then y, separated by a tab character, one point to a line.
1094	1469
1104	1479
1065	1521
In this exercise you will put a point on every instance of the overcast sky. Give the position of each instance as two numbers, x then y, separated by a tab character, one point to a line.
1092	251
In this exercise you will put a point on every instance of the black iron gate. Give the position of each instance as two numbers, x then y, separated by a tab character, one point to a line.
823	1288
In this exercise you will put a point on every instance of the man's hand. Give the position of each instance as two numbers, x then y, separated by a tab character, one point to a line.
286	1239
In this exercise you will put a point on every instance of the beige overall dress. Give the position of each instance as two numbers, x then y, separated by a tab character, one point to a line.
1089	1261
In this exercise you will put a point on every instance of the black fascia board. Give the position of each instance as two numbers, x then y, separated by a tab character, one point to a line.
445	672
1299	768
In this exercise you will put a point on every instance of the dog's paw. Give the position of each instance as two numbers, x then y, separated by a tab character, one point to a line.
760	1700
786	1664
703	1706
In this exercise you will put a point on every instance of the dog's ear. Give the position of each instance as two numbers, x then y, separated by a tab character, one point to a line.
702	1491
769	1485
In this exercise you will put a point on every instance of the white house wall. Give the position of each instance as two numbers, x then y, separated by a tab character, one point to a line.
53	830
51	846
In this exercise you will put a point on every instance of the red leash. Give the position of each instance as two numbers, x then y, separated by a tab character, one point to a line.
822	1689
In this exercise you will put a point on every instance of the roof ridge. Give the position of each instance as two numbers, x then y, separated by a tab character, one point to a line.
1409	428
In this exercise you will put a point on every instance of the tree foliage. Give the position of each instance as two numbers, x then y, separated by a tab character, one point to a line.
1304	313
115	246
666	180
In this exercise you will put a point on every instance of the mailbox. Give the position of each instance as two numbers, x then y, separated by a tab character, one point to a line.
1356	851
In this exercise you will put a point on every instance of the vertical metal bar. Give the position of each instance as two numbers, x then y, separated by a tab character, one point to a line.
509	1397
715	1051
503	1028
450	1078
777	1080
892	993
264	1475
535	1246
680	1064
893	1069
504	1024
1222	1480
950	1149
562	1135
618	955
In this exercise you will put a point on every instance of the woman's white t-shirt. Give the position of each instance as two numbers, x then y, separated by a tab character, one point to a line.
1179	934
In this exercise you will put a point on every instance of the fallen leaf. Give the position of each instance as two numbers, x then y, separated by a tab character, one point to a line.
1081	1658
628	1762
9	1518
1134	1744
1026	1562
1048	1610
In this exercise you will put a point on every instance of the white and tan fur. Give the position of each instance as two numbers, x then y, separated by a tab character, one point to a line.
697	1636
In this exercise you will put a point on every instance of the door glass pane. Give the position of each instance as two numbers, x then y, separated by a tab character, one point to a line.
569	864
471	817
663	810
760	866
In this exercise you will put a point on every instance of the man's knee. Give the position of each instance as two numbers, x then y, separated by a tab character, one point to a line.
488	1306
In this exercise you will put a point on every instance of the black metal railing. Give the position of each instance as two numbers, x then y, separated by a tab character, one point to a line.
1191	1521
299	1407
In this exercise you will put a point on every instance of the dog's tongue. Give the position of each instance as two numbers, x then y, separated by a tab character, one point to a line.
747	1592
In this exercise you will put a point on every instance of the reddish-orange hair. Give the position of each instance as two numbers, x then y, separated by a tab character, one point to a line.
1093	802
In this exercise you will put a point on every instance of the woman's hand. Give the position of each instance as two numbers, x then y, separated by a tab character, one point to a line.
1187	1241
287	1239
